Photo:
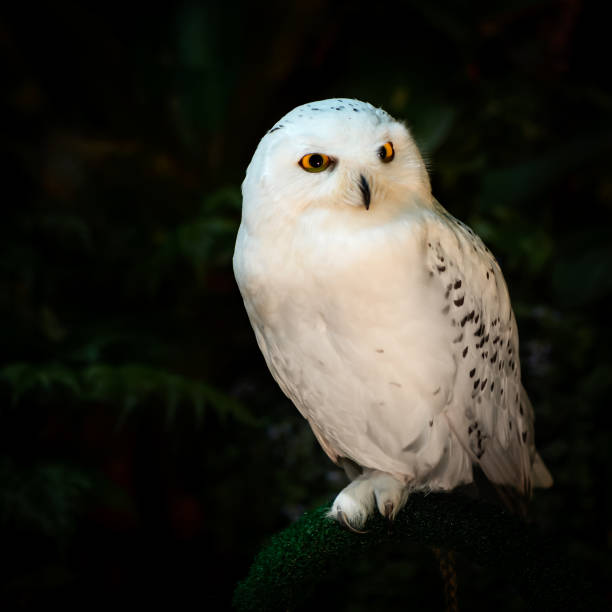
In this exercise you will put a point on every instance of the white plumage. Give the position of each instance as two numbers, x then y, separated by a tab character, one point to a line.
384	319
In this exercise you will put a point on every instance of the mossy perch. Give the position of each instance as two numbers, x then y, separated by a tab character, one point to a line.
289	568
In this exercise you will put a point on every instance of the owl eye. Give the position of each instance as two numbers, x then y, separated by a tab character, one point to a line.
315	162
386	152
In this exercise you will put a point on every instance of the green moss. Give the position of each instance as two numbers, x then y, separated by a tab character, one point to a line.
295	560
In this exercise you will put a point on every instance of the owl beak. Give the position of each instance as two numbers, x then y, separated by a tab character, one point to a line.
365	191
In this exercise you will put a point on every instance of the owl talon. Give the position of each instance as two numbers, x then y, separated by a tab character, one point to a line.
343	520
388	513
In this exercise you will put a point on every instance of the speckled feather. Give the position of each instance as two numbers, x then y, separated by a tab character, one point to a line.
389	326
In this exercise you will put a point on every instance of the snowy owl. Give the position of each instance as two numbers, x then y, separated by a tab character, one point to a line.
384	319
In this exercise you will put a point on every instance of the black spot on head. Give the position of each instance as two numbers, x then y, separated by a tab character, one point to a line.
276	127
484	384
521	409
465	350
457	284
472	372
441	268
459	338
487	276
476	319
510	425
524	435
431	423
476	383
355	110
492	385
480	330
459	302
494	358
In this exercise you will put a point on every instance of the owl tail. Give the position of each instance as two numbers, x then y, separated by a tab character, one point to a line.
540	476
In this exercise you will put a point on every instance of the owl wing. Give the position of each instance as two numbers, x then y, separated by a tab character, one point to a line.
488	410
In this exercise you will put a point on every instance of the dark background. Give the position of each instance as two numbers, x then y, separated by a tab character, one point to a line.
145	451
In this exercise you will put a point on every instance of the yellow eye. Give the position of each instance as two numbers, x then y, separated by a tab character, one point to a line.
386	152
315	162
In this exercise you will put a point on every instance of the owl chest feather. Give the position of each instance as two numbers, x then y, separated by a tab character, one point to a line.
358	345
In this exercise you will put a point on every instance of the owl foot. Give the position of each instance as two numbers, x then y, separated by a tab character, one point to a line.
357	501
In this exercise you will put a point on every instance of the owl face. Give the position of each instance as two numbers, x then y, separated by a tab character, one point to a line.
340	155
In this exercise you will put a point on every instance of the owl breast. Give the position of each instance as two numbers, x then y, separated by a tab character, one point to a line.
361	350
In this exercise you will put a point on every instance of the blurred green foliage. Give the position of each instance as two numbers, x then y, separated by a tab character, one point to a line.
141	438
127	386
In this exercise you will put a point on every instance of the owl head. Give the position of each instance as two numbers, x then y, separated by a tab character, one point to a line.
338	155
